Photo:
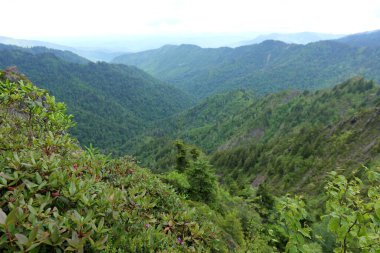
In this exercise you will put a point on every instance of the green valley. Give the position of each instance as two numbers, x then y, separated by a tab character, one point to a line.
111	102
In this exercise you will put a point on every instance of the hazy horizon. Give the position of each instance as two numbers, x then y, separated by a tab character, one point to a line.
145	42
71	19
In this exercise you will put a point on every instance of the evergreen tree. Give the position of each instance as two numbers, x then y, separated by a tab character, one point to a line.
182	162
202	181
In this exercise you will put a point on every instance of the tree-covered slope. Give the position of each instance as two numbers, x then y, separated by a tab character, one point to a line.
206	125
306	137
289	140
267	67
111	102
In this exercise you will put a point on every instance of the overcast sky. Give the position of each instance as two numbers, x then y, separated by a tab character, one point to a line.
33	19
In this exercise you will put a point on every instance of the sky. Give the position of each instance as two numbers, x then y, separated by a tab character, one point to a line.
37	19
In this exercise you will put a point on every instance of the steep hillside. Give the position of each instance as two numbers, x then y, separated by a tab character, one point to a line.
264	68
206	125
111	102
289	140
305	137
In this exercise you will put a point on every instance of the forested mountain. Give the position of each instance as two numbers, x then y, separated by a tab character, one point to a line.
264	68
366	39
290	140
111	102
66	55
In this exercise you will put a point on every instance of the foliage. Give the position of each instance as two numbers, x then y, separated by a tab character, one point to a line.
198	182
193	175
178	180
292	213
351	214
182	161
353	211
202	181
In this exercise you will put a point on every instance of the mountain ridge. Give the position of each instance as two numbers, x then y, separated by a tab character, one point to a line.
292	38
266	67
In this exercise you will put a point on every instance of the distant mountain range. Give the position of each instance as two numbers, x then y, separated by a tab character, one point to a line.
296	38
107	48
266	67
91	54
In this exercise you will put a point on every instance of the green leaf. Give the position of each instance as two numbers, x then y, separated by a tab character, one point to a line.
305	232
34	245
334	224
23	240
373	176
377	209
100	244
33	233
293	249
72	189
38	178
3	217
75	242
16	157
3	181
29	185
101	223
11	219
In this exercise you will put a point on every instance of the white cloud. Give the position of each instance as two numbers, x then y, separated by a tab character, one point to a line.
49	18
